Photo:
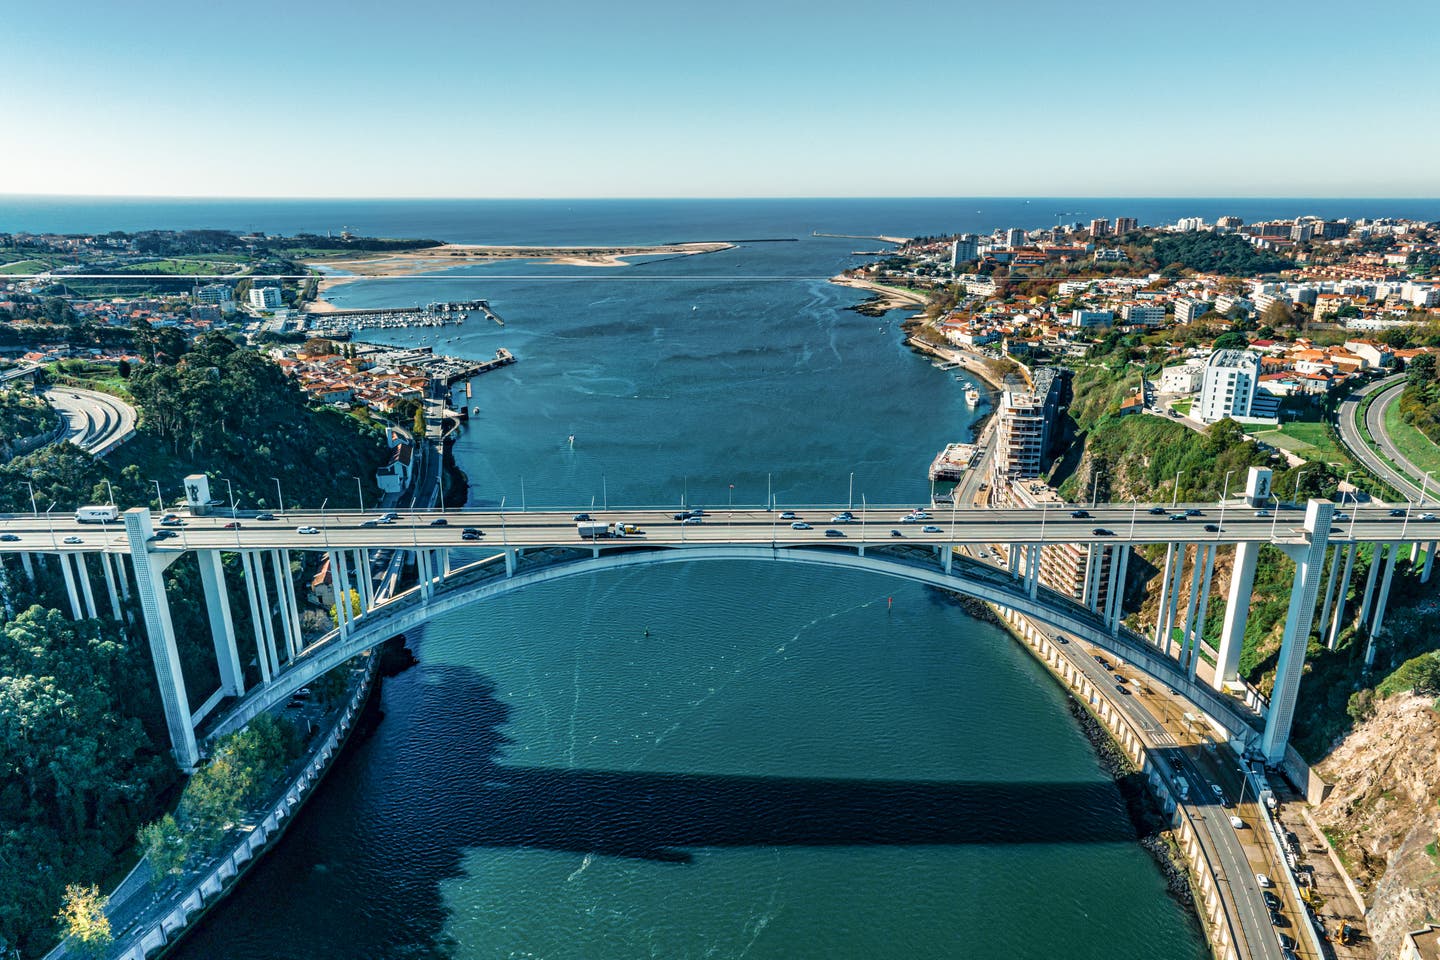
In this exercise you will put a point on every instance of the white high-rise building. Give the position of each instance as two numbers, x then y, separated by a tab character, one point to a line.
1190	224
1231	379
1015	237
965	249
265	298
1189	309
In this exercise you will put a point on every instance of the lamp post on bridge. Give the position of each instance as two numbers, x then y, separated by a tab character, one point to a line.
279	494
51	524
359	493
1175	496
33	509
109	489
1225	492
1095	490
230	492
1424	482
1134	512
851	504
159	497
324	525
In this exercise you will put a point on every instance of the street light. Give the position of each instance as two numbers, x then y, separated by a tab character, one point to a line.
51	524
110	489
1424	482
323	524
359	493
1134	512
1300	475
1175	499
230	492
33	509
159	497
1347	483
851	505
280	494
1225	492
1095	490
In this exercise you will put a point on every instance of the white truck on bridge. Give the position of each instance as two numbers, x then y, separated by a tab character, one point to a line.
595	530
104	513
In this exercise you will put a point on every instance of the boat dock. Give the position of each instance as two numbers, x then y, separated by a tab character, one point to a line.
951	463
458	370
437	314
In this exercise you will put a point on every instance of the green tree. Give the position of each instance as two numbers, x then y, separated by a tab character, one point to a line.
419	424
1231	341
355	607
82	919
165	845
1421	369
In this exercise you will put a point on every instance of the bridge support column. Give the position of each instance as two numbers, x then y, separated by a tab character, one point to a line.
1199	633
150	584
1172	614
341	586
75	613
1330	589
1309	569
1117	590
283	588
27	566
252	595
947	557
292	605
1187	632
1415	551
1164	593
1337	620
82	570
1377	552
267	618
1087	588
1014	559
1384	597
509	562
363	578
1032	578
121	575
1237	614
110	586
222	625
1429	561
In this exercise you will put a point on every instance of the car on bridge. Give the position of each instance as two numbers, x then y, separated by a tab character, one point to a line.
691	521
369	523
171	520
1341	516
264	516
1157	511
896	533
1102	532
73	540
164	535
585	517
1080	514
834	533
1427	516
843	518
232	525
1212	528
800	525
471	536
1178	516
1192	512
909	518
8	537
789	515
473	530
439	522
931	528
307	531
1263	513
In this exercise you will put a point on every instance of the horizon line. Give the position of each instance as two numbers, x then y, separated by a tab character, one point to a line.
530	199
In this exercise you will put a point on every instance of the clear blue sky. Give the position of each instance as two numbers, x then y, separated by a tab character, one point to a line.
736	98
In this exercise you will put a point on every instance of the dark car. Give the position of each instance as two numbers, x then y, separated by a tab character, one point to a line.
264	516
1061	638
1157	511
369	523
470	536
439	522
1212	528
171	520
164	535
585	517
475	530
896	533
673	516
1397	513
8	537
1080	514
1102	532
1192	512
834	533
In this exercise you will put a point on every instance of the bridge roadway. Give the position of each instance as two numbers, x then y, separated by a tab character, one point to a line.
870	528
1411	482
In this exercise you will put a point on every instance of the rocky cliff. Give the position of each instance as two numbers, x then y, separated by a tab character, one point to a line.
1383	818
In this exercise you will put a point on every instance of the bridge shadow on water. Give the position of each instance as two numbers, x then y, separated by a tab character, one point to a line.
463	795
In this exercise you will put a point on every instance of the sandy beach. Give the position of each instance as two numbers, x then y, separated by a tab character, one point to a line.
891	298
432	259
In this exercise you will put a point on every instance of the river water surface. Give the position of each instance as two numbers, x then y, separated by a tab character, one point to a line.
718	760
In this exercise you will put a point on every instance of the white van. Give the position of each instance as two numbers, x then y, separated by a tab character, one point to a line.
97	514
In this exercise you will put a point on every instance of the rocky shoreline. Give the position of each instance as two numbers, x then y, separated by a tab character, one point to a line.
1150	823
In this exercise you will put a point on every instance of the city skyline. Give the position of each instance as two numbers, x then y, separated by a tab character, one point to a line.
644	101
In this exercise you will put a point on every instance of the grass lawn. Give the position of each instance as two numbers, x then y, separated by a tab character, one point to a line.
1309	439
1182	407
1414	445
25	266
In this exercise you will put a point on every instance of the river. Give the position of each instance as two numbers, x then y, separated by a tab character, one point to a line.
719	760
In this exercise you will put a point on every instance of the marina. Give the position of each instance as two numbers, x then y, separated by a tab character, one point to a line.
435	314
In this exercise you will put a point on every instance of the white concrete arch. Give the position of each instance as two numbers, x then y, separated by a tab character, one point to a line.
507	572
